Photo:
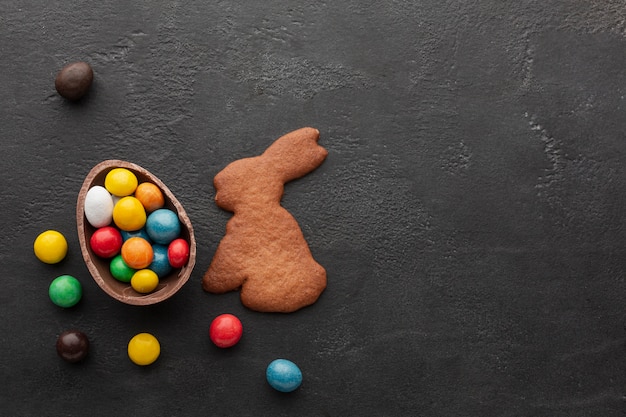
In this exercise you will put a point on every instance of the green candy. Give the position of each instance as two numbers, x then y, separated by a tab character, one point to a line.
65	291
120	270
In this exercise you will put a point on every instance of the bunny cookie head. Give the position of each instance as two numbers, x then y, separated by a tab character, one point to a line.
260	180
264	252
296	154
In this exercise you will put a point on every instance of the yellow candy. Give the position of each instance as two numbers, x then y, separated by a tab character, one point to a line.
129	214
50	247
120	182
144	281
144	349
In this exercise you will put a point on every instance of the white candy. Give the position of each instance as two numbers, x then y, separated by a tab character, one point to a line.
98	206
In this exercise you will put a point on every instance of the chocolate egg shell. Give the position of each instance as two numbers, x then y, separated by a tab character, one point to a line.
100	268
74	80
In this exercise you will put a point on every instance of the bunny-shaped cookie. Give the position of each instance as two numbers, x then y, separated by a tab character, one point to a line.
263	251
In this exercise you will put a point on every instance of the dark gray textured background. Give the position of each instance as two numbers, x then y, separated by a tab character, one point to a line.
470	212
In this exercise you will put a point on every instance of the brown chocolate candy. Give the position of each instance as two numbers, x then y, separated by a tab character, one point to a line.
74	80
73	346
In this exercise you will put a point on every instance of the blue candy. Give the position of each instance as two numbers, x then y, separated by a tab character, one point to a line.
283	375
160	263
163	226
136	233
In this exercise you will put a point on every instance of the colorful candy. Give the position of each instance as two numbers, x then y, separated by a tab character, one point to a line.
144	281
65	291
150	196
137	253
120	182
50	247
129	214
135	233
106	242
144	349
283	375
120	270
150	233
160	263
178	252
72	346
163	226
225	330
99	206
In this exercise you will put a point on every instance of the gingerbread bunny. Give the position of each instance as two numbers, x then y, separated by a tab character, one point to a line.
264	251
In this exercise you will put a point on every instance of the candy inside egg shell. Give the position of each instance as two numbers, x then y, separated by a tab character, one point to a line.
100	267
98	206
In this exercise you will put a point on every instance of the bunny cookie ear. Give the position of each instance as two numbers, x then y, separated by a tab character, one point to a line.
296	154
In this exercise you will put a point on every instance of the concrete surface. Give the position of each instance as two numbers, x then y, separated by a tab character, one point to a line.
470	213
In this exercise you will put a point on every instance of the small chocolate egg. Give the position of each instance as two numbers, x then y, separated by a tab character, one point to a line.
72	346
74	80
98	206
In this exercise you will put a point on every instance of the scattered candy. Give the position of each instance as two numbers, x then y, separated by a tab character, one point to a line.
106	242
120	182
65	291
150	196
144	281
74	80
129	214
120	270
178	253
144	349
163	226
72	346
50	247
98	206
283	375
225	330
137	253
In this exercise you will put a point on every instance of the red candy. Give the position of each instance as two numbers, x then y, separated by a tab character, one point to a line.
106	242
226	330
178	253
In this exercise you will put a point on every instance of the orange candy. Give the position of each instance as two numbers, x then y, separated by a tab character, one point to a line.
150	196
137	253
